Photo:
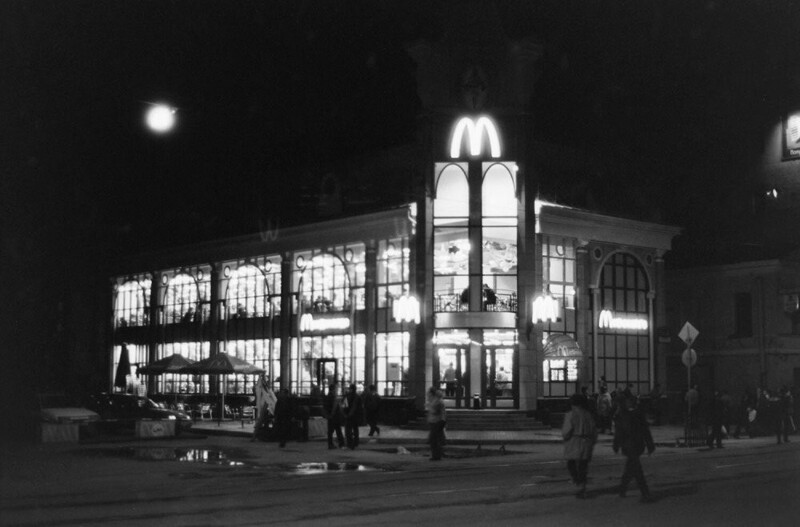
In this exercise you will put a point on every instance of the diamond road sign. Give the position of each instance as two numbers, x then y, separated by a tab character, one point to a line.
688	333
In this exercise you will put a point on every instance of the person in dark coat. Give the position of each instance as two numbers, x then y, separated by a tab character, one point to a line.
717	416
331	407
372	402
437	421
632	436
353	414
580	435
283	416
785	415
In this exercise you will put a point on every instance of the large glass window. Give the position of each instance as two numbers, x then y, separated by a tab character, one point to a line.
391	354
133	302
560	375
451	245
623	347
392	273
263	353
348	352
499	238
188	296
330	281
254	289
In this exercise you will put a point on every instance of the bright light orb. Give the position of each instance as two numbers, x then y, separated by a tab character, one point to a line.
161	119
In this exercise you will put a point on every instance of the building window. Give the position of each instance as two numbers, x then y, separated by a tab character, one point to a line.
263	353
331	280
392	273
623	345
183	383
132	302
743	315
561	371
188	296
451	245
391	359
254	289
347	351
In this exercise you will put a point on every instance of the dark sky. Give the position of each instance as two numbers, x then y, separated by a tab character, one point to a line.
671	97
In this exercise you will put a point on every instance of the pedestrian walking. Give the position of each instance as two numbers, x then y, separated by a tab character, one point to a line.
372	402
332	408
632	436
785	424
605	410
437	420
283	416
353	414
717	416
580	435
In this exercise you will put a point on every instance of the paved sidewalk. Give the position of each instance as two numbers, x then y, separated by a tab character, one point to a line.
663	436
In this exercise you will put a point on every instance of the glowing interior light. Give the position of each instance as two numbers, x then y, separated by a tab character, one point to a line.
609	320
475	131
161	118
406	309
545	309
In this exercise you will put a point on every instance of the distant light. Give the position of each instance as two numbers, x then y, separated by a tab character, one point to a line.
772	193
161	118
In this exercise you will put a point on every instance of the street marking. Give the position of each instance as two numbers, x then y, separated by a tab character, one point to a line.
450	491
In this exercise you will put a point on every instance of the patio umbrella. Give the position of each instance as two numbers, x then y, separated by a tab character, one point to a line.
171	364
123	369
560	346
222	364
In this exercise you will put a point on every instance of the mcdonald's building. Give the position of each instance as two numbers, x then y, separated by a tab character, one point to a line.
503	300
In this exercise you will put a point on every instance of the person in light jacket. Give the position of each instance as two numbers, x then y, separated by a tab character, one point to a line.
580	435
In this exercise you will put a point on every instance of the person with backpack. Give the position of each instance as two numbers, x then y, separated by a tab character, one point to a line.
580	435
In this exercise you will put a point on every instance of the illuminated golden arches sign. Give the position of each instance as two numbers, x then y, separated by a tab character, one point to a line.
610	320
474	131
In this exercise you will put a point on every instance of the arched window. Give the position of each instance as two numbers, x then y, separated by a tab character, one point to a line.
248	293
452	193
181	301
623	347
132	303
325	284
499	238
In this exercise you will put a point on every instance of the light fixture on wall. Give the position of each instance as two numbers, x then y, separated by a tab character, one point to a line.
405	309
545	308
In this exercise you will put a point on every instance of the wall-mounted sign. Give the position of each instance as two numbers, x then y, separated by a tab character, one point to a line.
610	320
309	323
791	136
475	130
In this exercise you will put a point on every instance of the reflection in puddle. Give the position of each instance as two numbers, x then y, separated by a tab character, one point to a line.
323	468
190	455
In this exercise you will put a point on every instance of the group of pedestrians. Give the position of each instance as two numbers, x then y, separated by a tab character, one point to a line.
350	410
631	436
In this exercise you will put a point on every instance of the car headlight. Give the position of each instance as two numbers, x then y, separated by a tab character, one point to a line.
171	417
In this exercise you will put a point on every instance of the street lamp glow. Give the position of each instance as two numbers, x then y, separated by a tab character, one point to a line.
161	118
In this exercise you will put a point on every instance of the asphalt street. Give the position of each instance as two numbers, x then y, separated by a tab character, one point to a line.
227	480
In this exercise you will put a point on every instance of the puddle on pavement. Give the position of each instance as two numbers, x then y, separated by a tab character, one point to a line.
305	469
187	455
452	452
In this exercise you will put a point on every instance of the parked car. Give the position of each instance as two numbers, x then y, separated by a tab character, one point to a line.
58	409
120	411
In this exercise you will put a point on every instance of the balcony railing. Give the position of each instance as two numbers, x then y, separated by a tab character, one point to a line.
506	301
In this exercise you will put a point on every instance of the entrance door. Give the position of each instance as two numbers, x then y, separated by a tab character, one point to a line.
451	373
498	377
327	372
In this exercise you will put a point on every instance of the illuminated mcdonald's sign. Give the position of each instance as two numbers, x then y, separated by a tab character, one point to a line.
610	320
309	323
475	131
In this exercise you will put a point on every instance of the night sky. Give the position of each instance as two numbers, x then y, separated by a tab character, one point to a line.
671	100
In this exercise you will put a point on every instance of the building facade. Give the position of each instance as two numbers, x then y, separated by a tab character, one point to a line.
502	299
